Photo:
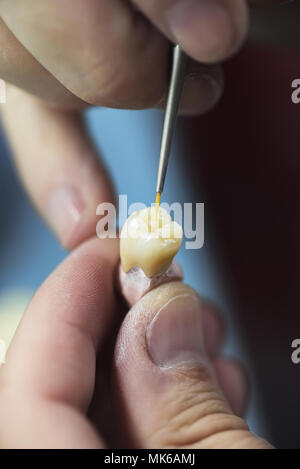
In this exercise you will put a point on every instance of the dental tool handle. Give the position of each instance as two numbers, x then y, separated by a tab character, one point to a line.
173	101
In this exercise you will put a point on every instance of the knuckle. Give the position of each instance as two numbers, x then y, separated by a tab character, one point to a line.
119	87
196	415
135	77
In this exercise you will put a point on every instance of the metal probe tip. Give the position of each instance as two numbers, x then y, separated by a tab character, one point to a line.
174	95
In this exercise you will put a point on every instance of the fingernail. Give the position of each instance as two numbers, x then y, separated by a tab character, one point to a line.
201	93
175	334
64	212
203	27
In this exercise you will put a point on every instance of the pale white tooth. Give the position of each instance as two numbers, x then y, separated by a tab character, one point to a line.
135	283
149	242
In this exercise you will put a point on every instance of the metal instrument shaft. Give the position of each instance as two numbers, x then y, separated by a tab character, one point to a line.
173	101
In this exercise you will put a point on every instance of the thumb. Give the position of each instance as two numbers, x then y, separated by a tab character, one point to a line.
166	387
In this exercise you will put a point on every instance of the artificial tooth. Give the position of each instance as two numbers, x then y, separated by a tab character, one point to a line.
149	241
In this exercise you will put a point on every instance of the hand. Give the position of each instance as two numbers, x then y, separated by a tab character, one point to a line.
113	54
99	52
157	386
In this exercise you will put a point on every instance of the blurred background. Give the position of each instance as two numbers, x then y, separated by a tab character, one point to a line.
243	161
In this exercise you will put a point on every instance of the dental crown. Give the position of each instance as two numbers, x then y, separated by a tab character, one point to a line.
149	240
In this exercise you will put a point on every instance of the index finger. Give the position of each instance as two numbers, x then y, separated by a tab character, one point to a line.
48	380
208	30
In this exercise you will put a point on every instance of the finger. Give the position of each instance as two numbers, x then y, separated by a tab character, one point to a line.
18	67
102	72
129	70
48	379
213	329
166	387
208	30
58	165
203	87
233	381
135	284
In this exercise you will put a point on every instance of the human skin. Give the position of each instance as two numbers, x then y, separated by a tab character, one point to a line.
50	80
158	384
68	317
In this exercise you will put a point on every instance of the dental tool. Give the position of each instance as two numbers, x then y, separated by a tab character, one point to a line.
173	101
149	239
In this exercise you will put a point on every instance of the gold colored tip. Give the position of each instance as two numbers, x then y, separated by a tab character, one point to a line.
157	203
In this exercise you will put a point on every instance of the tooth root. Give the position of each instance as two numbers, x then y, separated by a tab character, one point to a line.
149	241
135	284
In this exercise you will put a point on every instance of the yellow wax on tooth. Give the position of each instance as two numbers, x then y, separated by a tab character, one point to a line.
157	203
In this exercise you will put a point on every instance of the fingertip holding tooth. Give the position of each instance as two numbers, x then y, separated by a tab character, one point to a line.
135	283
149	241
